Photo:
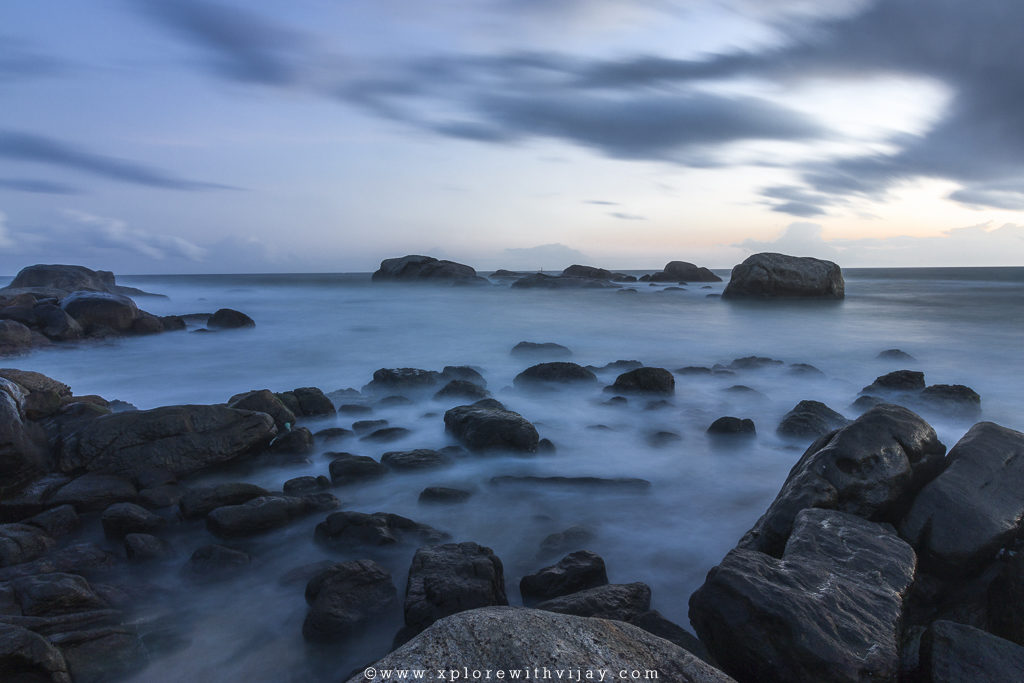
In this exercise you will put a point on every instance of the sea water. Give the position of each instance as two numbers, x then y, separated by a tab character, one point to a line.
963	326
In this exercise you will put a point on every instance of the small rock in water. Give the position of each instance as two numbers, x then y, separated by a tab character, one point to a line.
810	419
387	434
662	439
418	459
366	426
952	399
392	401
894	354
307	484
462	389
732	426
444	494
298	441
345	598
354	409
899	380
753	363
215	562
227	318
804	370
548	349
544	375
332	434
347	468
644	381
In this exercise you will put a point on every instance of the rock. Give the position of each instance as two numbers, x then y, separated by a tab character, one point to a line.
366	426
588	272
265	513
573	573
1005	598
386	435
21	543
347	468
557	372
593	483
805	370
29	657
179	439
444	494
899	380
22	455
390	380
313	402
871	468
121	519
346	528
35	381
542	281
298	486
418	459
296	441
487	425
465	373
144	547
681	271
572	539
894	354
953	399
652	621
829	609
810	420
732	426
60	280
198	502
264	401
14	337
450	578
354	409
415	268
612	601
753	363
40	405
332	434
662	439
56	522
173	323
645	381
102	654
769	276
229	319
147	323
392	401
461	389
344	599
94	492
961	518
215	562
55	593
80	557
493	637
951	653
547	349
101	312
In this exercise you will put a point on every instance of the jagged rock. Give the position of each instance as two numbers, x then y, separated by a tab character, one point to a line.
573	573
200	501
557	372
265	513
810	419
347	468
652	621
347	528
229	319
488	425
645	381
344	598
769	275
829	609
611	601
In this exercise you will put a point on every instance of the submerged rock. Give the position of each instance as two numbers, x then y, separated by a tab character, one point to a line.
387	380
732	426
444	494
347	468
215	563
542	281
683	271
346	528
418	459
953	399
200	501
770	275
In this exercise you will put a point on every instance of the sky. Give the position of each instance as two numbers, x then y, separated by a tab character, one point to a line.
196	136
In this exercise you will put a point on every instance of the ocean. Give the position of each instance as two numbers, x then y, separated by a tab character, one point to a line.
962	325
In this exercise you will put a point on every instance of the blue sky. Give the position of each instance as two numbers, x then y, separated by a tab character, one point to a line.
325	135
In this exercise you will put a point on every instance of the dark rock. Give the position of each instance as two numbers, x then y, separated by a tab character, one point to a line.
313	402
265	513
487	425
556	372
101	311
768	276
653	622
661	439
296	441
308	484
623	602
462	389
753	363
264	401
681	271
35	381
587	272
693	370
973	508
954	653
898	380
810	420
215	562
29	657
548	349
562	542
345	598
94	492
347	468
345	529
80	557
56	324
198	502
121	519
388	380
21	543
418	459
619	365
366	426
179	439
22	455
450	578
354	409
173	323
598	483
102	654
59	280
645	381
954	399
894	354
465	373
166	495
332	434
573	573
147	323
805	370
444	494
830	609
732	426
386	435
542	281
546	446
229	319
144	547
493	637
1005	598
55	593
415	268
866	402
40	405
14	337
871	468
56	522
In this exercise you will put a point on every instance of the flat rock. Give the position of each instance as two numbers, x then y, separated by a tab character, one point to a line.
265	513
418	459
389	380
573	573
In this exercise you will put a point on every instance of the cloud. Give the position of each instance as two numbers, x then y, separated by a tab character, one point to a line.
112	233
6	241
627	216
240	44
21	146
36	186
600	202
19	63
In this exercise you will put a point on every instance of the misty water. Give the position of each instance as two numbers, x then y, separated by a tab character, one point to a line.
964	326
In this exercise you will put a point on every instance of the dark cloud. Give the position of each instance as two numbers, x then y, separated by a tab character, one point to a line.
240	45
36	186
28	147
797	201
627	216
801	209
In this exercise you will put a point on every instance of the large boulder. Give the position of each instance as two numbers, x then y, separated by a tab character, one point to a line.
29	657
576	270
871	468
488	425
416	268
964	516
682	271
58	281
829	609
768	276
15	337
345	598
500	638
645	381
22	457
264	401
101	312
178	439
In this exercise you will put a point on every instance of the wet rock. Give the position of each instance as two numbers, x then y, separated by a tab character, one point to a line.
587	272
173	323
645	381
367	426
894	354
56	522
346	528
488	425
1005	598
22	456
732	426
22	543
492	637
296	441
573	573
386	435
810	420
101	311
546	447
392	401
557	372
121	519
200	501
871	468
265	513
829	609
80	557
450	578
354	409
94	492
55	593
805	370
264	401
612	601
547	349
390	380
298	486
952	653
653	622
178	439
215	562
866	402
416	268
145	547
345	598
898	380
769	276
418	459
973	508
462	389
347	468
952	399
30	657
661	439
229	319
444	494
561	542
